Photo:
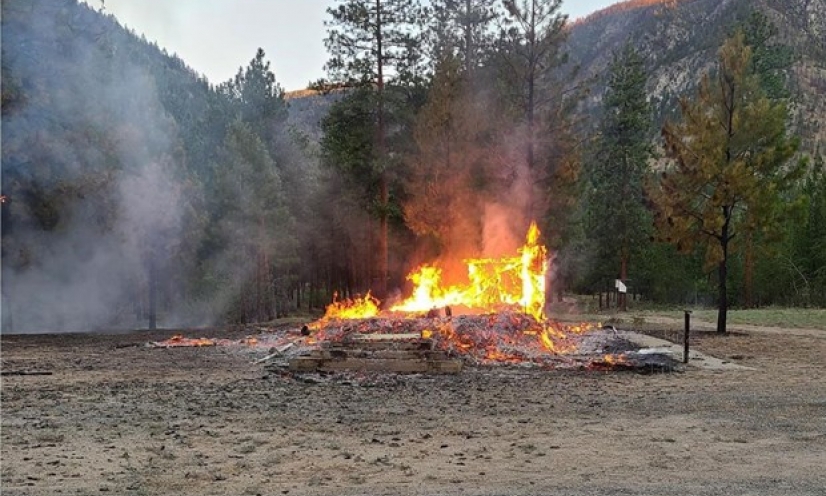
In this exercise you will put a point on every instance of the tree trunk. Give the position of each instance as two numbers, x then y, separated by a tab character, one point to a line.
470	63
381	286
748	272
723	304
623	303
722	274
153	293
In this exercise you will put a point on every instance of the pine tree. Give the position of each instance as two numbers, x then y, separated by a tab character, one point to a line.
769	63
371	43
532	49
729	157
812	242
447	170
542	94
253	224
616	210
257	98
463	28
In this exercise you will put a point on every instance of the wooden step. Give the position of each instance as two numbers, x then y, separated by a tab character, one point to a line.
379	344
394	365
340	354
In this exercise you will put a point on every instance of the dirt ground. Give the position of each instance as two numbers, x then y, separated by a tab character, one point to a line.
117	417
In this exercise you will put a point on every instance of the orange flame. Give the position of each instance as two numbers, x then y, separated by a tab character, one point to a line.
492	283
357	308
496	286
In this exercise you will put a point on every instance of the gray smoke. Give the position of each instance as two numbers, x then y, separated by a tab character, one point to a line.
118	201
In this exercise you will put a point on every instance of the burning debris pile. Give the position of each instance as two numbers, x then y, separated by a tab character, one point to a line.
497	318
489	339
508	337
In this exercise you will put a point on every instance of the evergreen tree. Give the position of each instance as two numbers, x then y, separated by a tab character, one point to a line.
532	50
730	158
253	225
542	94
447	170
257	98
814	242
464	28
372	43
768	63
616	210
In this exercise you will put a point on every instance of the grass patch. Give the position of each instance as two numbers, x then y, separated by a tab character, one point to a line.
795	318
810	318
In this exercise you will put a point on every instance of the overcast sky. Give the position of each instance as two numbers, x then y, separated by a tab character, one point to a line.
216	37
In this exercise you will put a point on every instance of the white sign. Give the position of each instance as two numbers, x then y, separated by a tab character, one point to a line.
620	286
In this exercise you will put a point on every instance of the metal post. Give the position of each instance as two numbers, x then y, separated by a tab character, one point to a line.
685	335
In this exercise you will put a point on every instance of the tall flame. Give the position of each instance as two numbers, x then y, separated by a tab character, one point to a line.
534	268
492	283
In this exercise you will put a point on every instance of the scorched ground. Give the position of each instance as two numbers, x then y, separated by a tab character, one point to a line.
117	417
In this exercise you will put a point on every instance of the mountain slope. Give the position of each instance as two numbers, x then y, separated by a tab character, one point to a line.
680	40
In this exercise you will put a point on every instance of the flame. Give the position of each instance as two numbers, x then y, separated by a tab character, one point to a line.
614	359
178	340
509	290
356	308
493	284
534	267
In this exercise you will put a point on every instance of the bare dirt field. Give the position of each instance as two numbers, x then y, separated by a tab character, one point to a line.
116	417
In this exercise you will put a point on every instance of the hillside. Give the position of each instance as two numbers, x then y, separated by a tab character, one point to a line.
680	40
307	109
127	175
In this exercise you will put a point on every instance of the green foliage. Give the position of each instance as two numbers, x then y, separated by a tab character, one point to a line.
730	162
464	29
256	97
769	61
366	38
371	45
617	219
252	220
348	141
795	272
448	164
531	47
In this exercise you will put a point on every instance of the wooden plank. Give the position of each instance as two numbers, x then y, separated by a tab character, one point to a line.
385	337
26	372
341	354
312	364
417	344
304	364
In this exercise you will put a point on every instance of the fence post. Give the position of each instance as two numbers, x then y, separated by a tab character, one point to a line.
686	334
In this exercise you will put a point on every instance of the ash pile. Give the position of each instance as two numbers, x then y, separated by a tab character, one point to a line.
447	344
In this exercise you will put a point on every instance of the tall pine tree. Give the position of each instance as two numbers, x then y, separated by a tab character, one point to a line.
729	157
616	210
372	43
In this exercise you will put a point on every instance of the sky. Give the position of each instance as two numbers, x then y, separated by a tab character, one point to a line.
216	37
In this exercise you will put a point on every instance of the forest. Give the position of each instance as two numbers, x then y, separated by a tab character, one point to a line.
136	193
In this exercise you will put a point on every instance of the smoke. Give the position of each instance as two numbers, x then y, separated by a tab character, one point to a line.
507	217
90	168
476	194
499	231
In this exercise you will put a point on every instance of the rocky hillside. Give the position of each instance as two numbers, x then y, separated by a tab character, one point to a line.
680	39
